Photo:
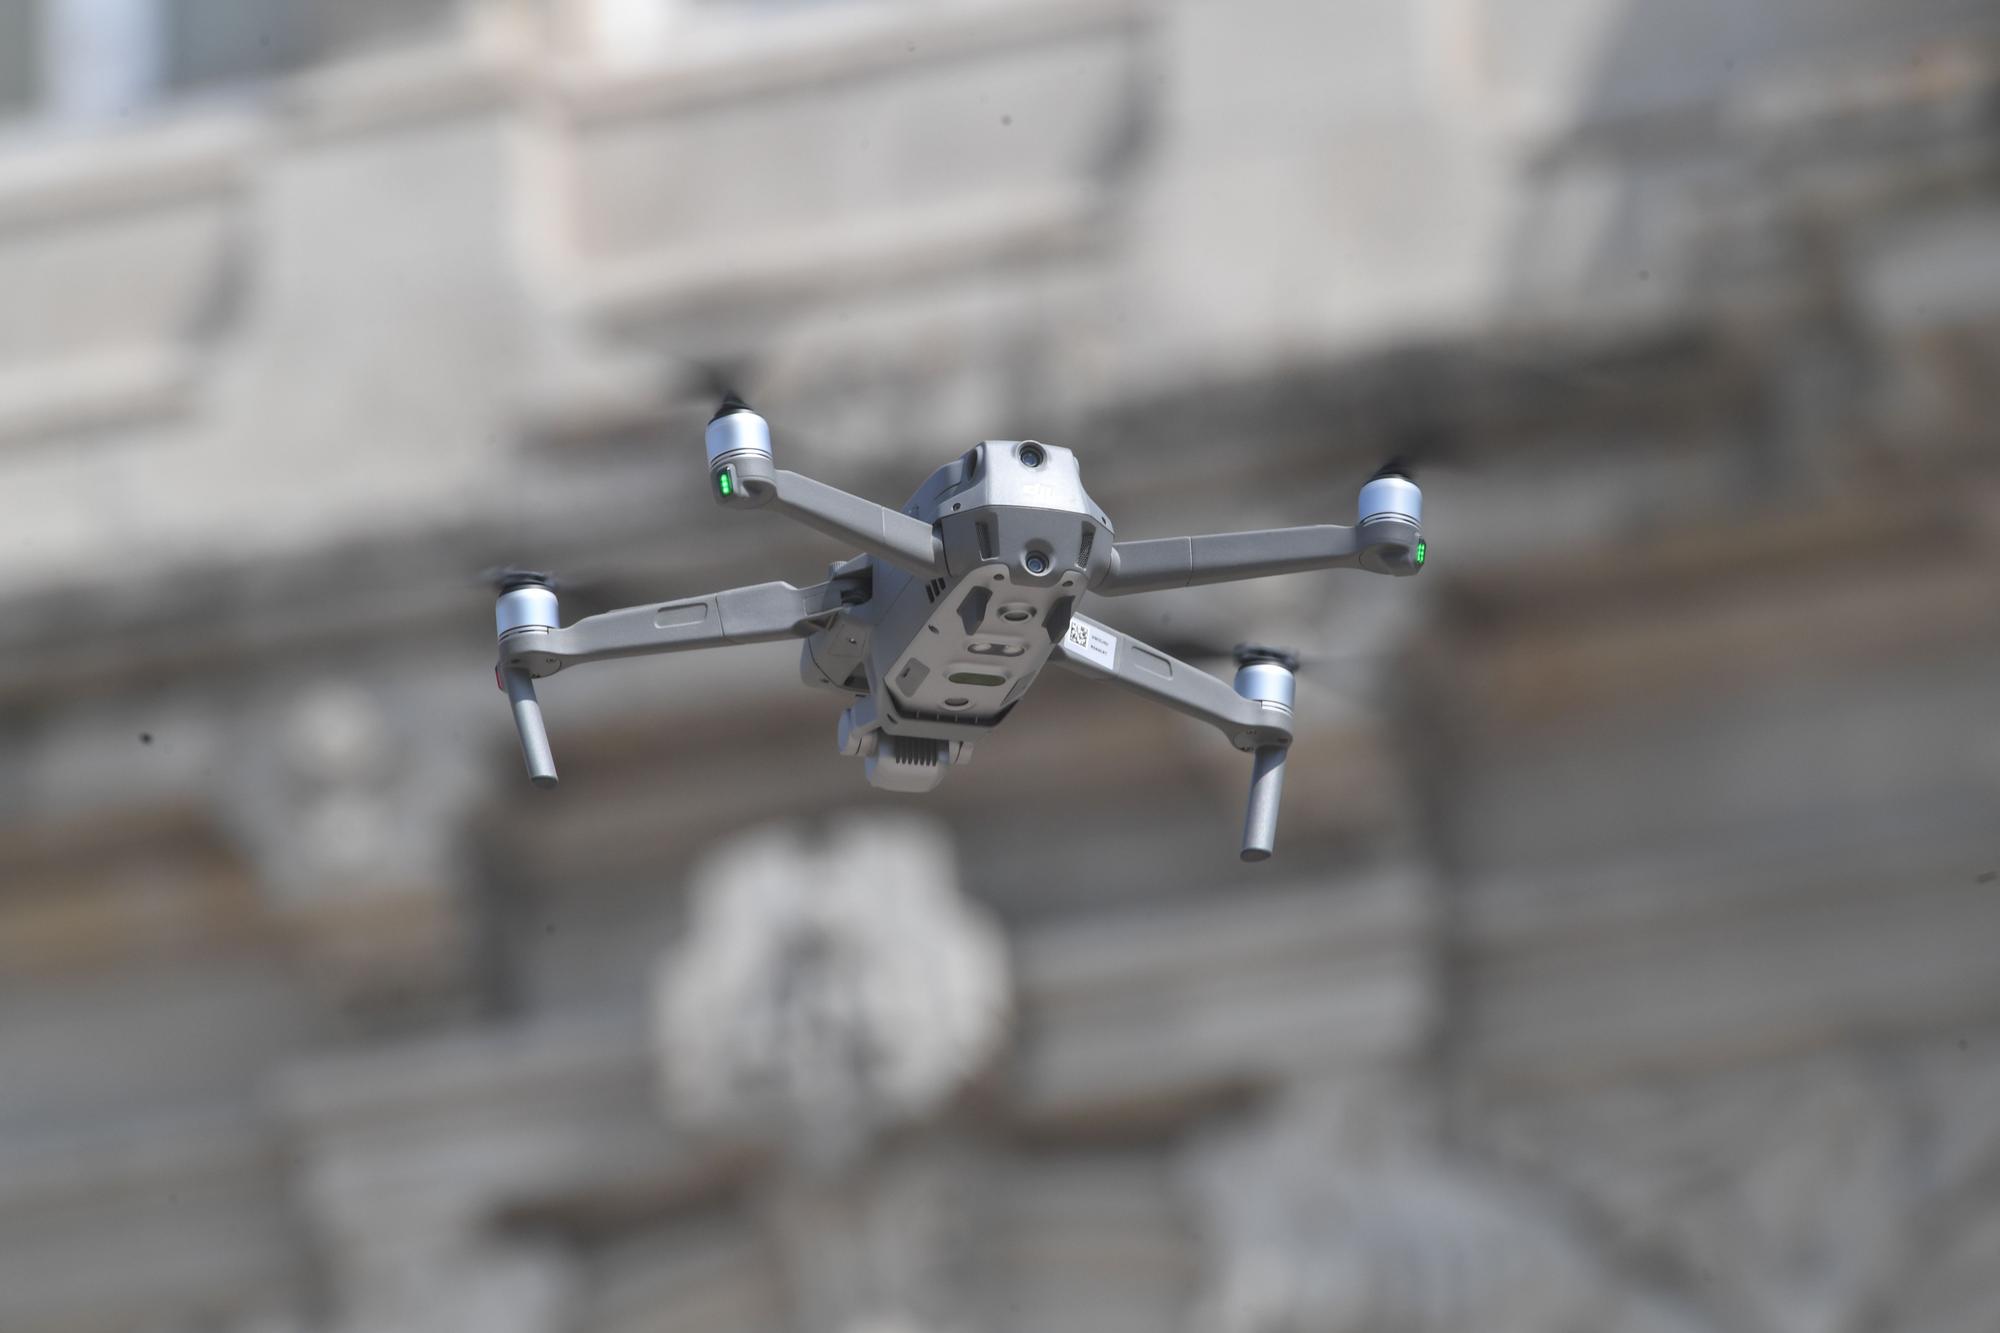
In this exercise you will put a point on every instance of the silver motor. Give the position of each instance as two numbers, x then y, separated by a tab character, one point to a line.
740	470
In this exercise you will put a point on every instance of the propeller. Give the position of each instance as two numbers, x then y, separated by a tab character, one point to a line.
1420	441
1407	464
506	578
730	382
1342	674
725	379
1420	410
578	596
745	381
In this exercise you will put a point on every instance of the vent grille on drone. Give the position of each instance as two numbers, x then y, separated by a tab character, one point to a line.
918	750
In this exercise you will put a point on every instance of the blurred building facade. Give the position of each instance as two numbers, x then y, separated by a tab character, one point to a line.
1628	959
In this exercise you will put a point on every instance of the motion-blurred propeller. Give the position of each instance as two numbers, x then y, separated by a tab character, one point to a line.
578	596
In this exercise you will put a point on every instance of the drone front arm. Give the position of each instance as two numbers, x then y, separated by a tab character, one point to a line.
1388	538
1098	651
742	475
1182	562
896	537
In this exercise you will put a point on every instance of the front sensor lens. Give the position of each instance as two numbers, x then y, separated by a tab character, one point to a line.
1032	455
1037	563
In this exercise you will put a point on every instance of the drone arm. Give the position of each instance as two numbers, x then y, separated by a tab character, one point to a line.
1095	650
895	537
755	614
741	476
1181	562
1255	713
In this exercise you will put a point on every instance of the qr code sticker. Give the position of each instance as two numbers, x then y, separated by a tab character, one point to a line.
1092	643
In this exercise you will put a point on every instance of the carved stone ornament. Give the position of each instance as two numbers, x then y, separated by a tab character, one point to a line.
828	990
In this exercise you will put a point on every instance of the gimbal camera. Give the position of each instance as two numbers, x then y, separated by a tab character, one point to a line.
956	603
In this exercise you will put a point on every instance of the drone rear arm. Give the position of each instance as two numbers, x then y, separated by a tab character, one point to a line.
532	645
1255	713
1392	546
1181	562
1098	651
756	614
896	537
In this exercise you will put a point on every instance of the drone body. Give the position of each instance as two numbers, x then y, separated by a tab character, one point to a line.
960	600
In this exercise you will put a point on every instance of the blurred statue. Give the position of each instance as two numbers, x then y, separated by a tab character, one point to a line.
828	990
355	834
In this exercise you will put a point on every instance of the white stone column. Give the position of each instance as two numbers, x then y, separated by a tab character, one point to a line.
102	58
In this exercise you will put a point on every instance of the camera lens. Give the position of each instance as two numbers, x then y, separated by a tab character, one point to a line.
1032	455
1037	563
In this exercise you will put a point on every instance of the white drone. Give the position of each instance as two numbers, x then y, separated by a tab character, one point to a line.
958	601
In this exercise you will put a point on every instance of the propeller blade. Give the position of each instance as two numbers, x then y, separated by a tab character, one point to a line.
727	381
1340	673
502	578
1418	445
578	596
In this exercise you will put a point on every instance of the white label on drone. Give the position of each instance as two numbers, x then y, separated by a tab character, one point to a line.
1093	643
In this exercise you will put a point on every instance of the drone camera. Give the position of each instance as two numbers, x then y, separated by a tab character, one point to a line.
740	469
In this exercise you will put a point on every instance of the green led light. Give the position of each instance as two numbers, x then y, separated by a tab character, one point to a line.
1420	553
725	483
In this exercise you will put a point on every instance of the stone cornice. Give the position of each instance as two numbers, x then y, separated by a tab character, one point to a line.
905	248
849	45
105	391
198	155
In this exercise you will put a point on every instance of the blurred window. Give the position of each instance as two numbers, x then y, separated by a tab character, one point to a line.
100	58
218	42
82	60
20	56
210	42
1666	56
